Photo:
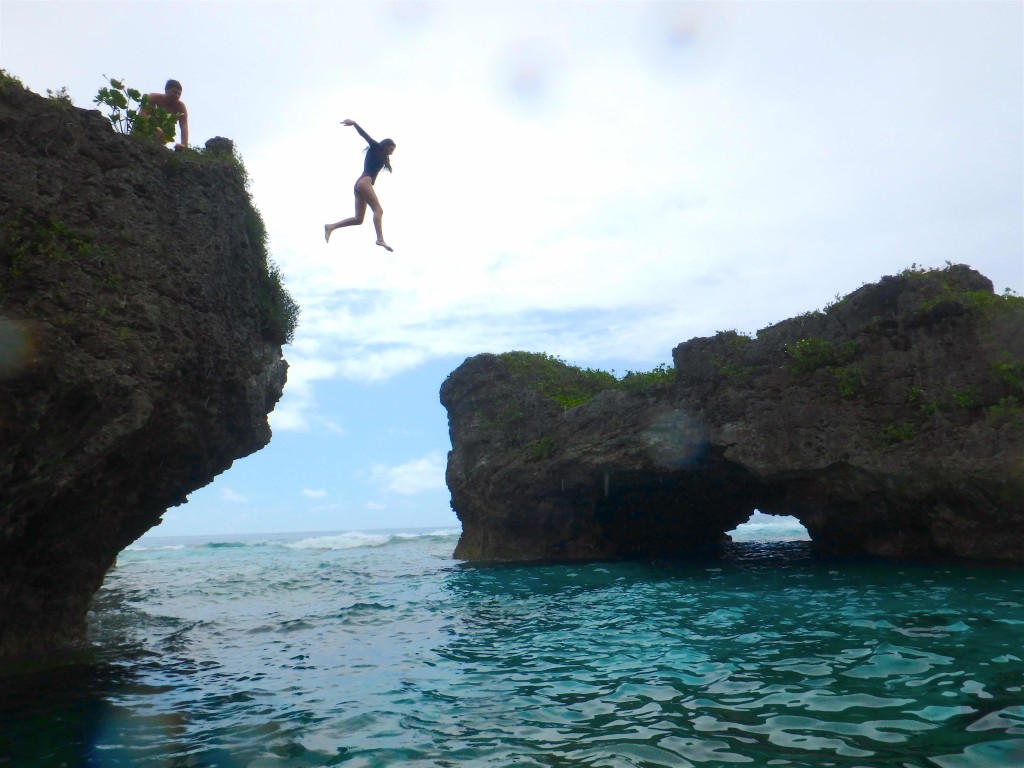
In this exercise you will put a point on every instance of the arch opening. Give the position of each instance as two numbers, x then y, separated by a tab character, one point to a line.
761	527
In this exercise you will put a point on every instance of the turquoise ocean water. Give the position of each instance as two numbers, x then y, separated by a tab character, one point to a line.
379	649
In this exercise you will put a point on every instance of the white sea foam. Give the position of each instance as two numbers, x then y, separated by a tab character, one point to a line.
350	540
154	548
358	539
438	534
297	541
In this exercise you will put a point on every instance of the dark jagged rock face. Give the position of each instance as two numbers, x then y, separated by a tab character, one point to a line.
890	425
134	363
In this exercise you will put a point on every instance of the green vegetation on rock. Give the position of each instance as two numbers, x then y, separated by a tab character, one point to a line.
811	354
31	243
735	372
1005	409
1010	373
542	448
129	111
61	98
7	80
28	239
942	289
278	308
808	355
635	380
569	385
849	379
897	433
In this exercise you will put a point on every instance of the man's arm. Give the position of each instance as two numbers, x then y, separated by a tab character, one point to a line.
183	124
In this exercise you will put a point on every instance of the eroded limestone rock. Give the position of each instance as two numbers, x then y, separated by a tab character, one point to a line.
137	360
890	424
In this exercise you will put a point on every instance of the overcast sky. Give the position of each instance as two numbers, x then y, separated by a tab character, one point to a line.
596	180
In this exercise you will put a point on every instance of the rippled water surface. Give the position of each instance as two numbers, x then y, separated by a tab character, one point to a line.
380	650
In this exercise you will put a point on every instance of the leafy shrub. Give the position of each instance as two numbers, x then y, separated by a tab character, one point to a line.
736	339
985	302
278	310
978	302
507	419
29	240
812	354
126	106
61	98
1010	373
9	80
915	269
660	374
849	380
897	433
569	385
967	399
542	448
1006	408
279	313
735	372
809	355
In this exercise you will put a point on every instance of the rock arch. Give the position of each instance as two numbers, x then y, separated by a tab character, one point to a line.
889	425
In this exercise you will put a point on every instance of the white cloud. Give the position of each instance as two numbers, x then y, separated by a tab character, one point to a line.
598	181
333	427
373	366
314	494
412	477
289	417
292	412
738	186
232	496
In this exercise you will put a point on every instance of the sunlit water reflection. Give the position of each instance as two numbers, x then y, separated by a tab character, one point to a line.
383	651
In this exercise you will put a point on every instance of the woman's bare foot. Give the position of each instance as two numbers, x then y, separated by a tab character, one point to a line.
327	233
384	245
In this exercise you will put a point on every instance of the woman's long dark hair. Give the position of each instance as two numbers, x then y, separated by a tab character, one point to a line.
383	144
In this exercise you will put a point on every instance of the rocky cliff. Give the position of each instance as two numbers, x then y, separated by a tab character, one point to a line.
891	424
140	348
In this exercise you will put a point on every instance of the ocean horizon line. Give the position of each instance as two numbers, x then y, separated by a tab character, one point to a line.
758	520
352	537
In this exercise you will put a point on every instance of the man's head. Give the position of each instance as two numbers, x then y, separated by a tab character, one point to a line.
175	86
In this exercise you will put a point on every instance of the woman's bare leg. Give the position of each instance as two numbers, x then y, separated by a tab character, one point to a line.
378	211
351	221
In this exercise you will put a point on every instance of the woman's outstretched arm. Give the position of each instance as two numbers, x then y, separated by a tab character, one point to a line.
362	133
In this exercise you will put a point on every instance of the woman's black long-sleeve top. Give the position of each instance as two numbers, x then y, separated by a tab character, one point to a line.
376	157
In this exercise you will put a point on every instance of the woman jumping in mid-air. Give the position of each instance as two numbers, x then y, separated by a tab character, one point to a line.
378	155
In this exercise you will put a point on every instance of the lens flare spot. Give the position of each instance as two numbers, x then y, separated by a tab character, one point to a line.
17	347
676	439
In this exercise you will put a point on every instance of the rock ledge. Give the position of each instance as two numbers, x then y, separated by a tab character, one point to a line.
138	355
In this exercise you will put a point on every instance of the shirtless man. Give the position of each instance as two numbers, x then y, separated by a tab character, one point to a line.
170	100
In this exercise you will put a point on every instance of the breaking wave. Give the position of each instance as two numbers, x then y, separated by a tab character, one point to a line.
295	541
